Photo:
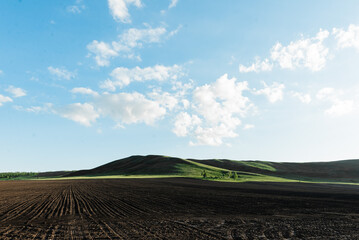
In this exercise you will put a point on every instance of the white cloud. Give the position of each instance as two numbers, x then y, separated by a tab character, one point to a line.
33	109
124	76
307	52
47	107
304	98
83	90
218	107
185	123
4	99
338	106
16	92
274	92
62	73
213	136
128	41
135	37
173	3
182	88
164	99
84	114
248	126
326	93
347	38
1	72
77	7
119	9
174	32
185	103
123	108
258	66
129	108
103	52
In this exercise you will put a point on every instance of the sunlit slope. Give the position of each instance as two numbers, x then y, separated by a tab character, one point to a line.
343	171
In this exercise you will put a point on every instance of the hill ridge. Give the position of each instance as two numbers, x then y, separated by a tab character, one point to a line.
160	165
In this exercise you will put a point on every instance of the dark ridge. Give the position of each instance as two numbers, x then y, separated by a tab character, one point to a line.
53	174
135	165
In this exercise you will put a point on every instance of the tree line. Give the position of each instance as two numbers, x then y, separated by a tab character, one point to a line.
9	175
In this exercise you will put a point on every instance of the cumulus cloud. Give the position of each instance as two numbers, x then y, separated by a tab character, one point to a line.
273	92
83	113
164	99
119	9
347	38
258	66
128	41
123	108
129	108
102	51
4	99
338	106
182	88
310	53
307	52
185	123
61	73
16	92
218	107
304	98
121	76
82	90
135	37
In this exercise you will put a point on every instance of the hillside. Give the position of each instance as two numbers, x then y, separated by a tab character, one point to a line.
151	165
341	171
222	169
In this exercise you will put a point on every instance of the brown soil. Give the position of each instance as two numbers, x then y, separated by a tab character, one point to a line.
176	209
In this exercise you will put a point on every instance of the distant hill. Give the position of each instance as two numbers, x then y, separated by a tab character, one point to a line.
155	165
343	171
346	171
151	165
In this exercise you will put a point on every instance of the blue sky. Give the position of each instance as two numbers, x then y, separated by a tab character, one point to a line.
86	82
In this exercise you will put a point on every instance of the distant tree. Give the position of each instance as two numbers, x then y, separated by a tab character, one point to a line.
204	174
235	175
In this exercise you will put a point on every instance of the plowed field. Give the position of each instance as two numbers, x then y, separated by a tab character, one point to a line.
176	209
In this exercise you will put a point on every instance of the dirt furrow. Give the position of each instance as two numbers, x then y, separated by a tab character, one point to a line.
175	209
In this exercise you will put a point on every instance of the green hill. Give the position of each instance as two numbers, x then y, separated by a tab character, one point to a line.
223	169
346	171
152	165
337	171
